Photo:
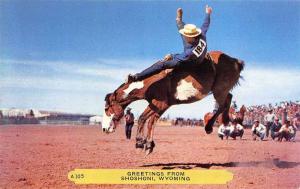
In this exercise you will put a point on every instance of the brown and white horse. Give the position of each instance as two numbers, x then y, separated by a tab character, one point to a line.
217	75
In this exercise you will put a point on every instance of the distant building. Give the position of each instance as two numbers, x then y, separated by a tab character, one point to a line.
18	116
33	116
95	120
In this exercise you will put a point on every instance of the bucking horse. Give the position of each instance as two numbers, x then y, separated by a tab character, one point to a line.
218	74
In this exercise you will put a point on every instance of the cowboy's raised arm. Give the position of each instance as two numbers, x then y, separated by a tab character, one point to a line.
206	22
179	22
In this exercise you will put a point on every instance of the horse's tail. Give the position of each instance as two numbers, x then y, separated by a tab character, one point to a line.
241	65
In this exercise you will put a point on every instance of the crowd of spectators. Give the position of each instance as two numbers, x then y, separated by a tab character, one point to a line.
281	120
286	110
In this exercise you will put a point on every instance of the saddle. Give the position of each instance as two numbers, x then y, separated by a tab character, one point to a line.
209	58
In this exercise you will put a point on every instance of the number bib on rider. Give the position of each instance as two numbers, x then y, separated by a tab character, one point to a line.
199	48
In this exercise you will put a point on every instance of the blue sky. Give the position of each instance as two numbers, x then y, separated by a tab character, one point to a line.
66	55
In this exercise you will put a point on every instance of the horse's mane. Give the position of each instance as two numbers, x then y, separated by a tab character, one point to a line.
113	93
107	97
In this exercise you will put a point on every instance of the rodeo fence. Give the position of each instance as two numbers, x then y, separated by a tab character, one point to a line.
18	116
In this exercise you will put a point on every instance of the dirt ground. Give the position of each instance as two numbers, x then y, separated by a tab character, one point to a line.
41	156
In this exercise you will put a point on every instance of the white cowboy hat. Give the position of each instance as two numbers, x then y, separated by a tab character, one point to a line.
190	30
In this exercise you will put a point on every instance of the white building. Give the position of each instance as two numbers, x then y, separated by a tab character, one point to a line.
95	120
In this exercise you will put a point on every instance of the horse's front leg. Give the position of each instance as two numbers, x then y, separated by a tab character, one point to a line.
225	114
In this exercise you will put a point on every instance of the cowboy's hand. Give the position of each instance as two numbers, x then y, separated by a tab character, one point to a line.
179	14
208	9
168	57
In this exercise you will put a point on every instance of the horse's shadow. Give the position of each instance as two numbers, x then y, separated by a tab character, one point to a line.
267	164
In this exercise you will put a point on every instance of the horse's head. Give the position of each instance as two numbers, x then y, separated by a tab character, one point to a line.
112	115
239	118
243	109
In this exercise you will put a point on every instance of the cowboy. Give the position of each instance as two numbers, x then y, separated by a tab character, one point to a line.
234	106
293	130
285	131
129	117
275	127
259	130
236	130
295	125
269	120
195	48
223	131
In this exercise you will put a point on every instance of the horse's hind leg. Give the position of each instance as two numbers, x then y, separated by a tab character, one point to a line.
140	141
224	102
149	139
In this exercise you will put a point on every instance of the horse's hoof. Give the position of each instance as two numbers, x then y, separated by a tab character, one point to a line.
149	147
139	145
148	152
209	127
208	130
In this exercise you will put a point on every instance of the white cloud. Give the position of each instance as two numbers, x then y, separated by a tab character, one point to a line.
112	73
109	68
31	82
263	85
98	75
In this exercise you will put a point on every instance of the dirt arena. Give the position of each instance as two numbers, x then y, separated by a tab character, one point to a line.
42	156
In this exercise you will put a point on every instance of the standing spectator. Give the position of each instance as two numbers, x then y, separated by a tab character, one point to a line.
216	107
269	119
275	127
129	122
284	115
259	130
234	106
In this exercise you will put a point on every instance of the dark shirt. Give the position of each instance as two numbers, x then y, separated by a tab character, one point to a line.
129	118
275	127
